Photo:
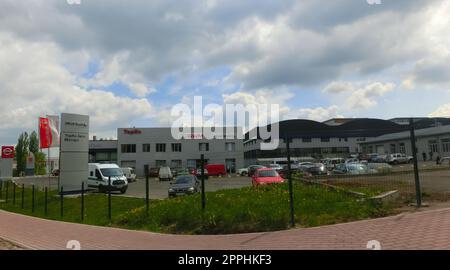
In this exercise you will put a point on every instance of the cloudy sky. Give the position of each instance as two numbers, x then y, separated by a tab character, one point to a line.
126	63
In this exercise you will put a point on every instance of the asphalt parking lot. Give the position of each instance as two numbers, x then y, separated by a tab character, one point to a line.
158	189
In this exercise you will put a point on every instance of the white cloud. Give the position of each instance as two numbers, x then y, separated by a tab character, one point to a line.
442	111
34	82
318	114
360	95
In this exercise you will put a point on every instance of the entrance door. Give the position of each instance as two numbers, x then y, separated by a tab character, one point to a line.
230	165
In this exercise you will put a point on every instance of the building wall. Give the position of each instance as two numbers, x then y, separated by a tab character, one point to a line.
217	153
335	147
422	144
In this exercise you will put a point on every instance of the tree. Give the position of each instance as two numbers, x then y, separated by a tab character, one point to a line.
34	143
22	152
40	163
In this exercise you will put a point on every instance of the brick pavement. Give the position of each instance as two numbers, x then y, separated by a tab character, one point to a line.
419	230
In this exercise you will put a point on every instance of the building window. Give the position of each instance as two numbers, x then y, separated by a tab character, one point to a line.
128	163
176	147
128	148
203	146
446	145
325	139
230	147
160	163
160	147
146	147
176	163
402	148
361	139
306	139
345	139
433	146
393	148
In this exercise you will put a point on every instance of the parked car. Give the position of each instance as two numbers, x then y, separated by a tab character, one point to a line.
352	168
183	171
129	174
216	169
398	158
153	172
198	172
184	185
242	171
352	160
276	167
252	169
331	163
263	176
316	169
305	165
165	174
100	174
379	159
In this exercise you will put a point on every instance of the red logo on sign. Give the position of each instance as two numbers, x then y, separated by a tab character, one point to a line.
132	131
7	151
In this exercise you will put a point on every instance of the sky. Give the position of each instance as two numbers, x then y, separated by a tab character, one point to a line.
127	63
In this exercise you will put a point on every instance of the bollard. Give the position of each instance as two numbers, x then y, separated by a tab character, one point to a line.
14	194
291	192
146	194
109	197
6	190
23	194
202	162
32	199
82	201
61	197
46	202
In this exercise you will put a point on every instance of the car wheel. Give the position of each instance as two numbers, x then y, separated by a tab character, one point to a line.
395	162
123	190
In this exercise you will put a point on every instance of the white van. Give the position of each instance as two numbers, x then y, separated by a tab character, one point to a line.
99	175
165	174
129	174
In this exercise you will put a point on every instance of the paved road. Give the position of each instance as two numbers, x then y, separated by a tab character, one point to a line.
418	230
158	189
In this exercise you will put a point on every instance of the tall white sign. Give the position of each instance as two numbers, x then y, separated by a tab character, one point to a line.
74	151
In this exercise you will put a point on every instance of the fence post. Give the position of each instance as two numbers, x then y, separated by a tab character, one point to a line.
46	201
32	199
6	190
23	195
61	198
291	193
14	193
416	167
109	197
82	201
1	189
146	193
202	163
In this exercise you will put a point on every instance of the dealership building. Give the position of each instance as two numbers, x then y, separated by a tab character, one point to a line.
143	148
435	140
337	137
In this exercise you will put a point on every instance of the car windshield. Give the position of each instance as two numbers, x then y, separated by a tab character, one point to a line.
183	180
111	172
267	173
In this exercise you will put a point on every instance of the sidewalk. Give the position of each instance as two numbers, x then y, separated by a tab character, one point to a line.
419	230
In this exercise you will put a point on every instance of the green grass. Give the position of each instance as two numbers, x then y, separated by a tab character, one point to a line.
227	211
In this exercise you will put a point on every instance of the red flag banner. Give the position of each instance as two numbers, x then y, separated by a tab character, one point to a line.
44	133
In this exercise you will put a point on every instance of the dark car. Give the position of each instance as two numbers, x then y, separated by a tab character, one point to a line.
184	185
316	169
153	172
252	169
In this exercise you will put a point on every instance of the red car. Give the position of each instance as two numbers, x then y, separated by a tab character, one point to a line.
264	176
216	169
